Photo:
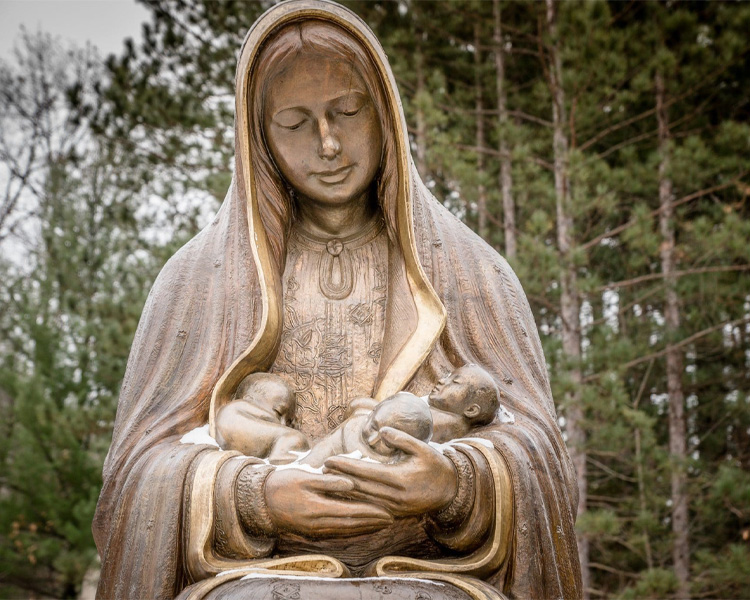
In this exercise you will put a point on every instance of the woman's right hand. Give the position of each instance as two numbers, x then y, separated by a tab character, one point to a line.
302	502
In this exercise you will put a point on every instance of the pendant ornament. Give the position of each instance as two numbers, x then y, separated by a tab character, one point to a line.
335	267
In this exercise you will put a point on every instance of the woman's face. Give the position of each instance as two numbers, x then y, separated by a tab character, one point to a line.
322	130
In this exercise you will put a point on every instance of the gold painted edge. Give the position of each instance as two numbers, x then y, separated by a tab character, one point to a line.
205	586
201	517
202	561
476	589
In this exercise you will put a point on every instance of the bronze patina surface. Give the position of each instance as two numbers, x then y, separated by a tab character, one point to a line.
380	588
332	267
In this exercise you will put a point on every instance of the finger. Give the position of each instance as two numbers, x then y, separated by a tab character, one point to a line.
389	503
403	441
331	483
372	491
346	509
363	470
336	526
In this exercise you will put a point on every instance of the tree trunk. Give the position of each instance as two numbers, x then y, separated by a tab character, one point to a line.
569	300
506	176
478	102
639	470
677	429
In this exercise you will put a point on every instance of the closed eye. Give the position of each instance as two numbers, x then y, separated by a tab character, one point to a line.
293	127
290	119
351	113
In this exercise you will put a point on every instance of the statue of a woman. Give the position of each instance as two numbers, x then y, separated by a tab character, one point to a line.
331	265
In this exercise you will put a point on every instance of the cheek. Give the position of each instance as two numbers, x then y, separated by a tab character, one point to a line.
375	146
292	164
282	152
366	138
288	153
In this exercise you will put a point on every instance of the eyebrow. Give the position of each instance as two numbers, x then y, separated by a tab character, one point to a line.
335	98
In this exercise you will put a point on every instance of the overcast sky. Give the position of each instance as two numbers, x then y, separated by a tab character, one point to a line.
105	23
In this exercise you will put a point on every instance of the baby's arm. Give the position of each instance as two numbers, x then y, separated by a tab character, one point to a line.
330	445
286	443
361	406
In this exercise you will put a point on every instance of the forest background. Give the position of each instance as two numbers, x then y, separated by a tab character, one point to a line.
602	147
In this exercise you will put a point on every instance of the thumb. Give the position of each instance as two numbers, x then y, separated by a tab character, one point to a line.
401	440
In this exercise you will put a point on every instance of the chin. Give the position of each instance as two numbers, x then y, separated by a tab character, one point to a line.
332	196
345	193
339	197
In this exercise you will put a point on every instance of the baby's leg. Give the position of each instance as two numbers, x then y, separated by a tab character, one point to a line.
290	441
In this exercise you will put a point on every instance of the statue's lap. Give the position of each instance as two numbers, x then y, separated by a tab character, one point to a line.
290	588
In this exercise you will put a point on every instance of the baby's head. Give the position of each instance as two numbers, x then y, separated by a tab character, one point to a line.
271	394
403	411
469	392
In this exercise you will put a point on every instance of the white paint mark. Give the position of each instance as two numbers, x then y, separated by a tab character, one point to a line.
199	435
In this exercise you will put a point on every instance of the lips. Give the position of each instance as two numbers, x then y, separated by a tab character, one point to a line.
334	176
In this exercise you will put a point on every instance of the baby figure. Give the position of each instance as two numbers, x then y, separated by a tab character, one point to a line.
258	420
461	401
361	431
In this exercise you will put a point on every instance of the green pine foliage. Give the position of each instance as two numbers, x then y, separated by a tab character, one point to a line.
67	321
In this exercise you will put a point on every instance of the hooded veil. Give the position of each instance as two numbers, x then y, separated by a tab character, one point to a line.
214	315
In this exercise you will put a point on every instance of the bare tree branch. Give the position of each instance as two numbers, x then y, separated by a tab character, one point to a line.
688	340
676	274
680	201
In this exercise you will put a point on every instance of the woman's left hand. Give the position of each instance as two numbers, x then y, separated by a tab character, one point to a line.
424	481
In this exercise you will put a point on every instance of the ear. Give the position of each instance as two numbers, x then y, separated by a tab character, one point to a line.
472	411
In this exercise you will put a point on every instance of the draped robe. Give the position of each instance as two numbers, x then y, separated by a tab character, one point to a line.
214	315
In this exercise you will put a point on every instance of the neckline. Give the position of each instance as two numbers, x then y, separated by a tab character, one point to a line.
364	236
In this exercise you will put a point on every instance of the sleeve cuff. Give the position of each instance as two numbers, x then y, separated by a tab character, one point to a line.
465	523
459	509
251	501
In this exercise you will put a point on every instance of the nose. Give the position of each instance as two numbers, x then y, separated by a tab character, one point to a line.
329	143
